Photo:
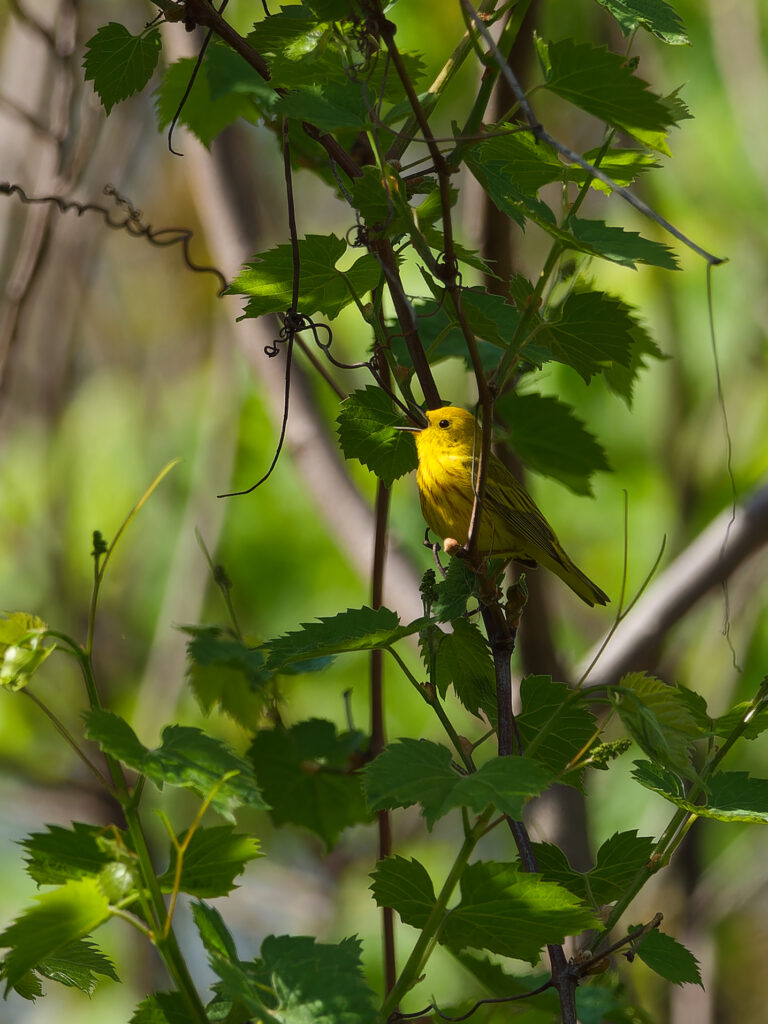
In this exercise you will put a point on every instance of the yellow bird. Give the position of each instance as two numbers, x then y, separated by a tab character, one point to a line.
512	526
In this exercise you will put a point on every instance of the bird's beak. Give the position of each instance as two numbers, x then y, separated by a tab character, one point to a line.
411	430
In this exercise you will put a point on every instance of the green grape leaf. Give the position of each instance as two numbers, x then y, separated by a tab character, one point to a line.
214	934
56	920
521	159
731	796
356	629
225	672
268	279
593	331
419	771
621	379
568	726
77	965
618	861
593	237
464	659
511	912
725	724
118	63
405	886
550	438
411	772
22	649
498	982
669	958
655	16
205	116
330	107
211	861
187	757
305	773
228	73
623	167
505	782
317	982
658	720
603	84
627	248
162	1008
60	854
454	591
365	422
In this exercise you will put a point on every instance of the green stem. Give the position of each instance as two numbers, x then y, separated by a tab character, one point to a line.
69	739
165	942
434	702
431	931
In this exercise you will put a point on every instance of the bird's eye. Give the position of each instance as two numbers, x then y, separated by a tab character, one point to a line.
445	423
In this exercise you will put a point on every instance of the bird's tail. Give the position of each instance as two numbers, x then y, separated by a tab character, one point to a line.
576	580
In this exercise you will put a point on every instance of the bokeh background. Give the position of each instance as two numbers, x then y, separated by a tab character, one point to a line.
116	358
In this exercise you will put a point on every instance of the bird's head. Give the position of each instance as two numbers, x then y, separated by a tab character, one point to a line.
449	431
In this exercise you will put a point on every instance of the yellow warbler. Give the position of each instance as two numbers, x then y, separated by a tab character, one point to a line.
511	526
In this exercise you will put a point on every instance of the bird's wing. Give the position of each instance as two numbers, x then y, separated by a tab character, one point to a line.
509	503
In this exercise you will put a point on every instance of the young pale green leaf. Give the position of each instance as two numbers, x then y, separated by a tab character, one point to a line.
187	757
669	958
623	167
603	84
60	854
655	16
22	648
550	438
658	720
317	982
214	934
356	629
365	422
57	919
464	659
268	279
225	672
77	965
162	1008
214	858
306	774
511	912
205	116
411	772
118	63
567	726
405	886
